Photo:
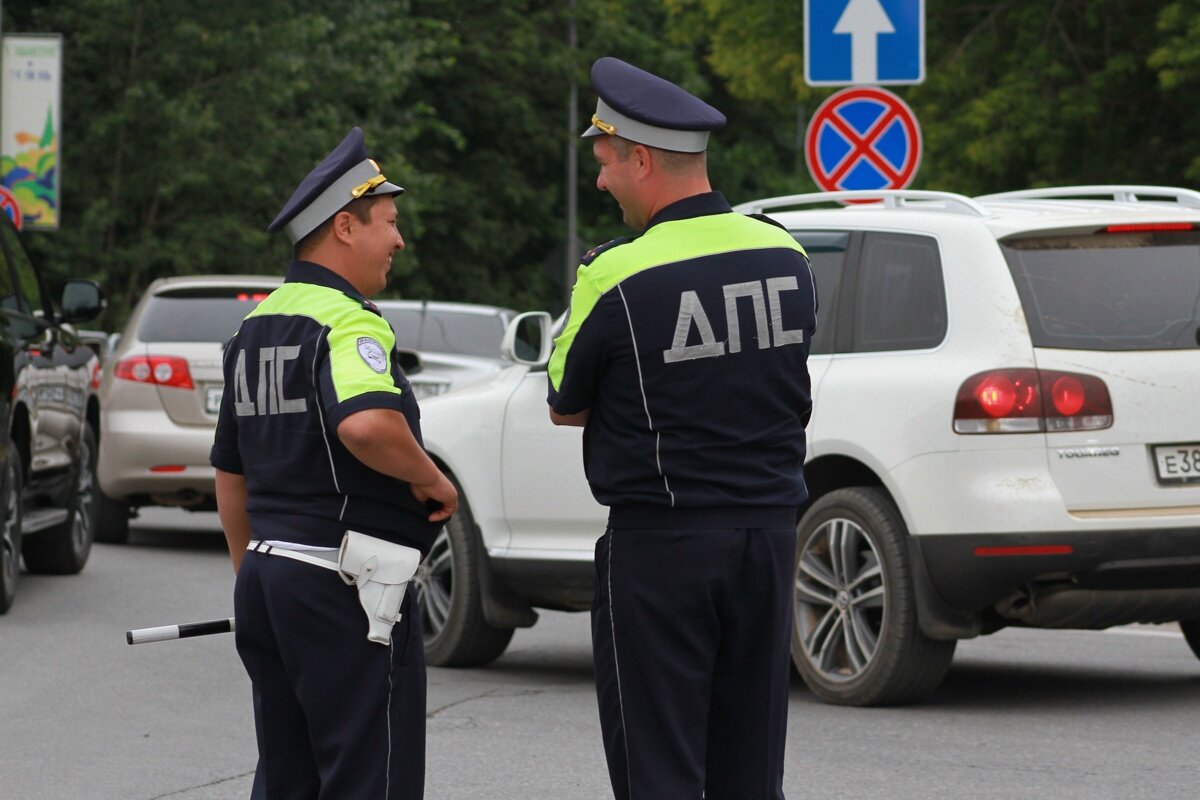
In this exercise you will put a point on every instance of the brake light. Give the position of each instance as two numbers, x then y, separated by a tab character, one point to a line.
1031	401
252	297
158	370
1150	227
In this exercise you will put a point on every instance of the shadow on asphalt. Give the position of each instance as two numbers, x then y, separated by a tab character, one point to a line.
175	539
1025	686
1028	686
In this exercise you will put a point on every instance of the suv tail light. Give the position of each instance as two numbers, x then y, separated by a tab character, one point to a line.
158	370
1031	401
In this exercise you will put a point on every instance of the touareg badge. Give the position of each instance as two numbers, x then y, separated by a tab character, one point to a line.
372	353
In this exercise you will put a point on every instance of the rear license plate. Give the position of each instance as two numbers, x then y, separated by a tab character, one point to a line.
212	399
1178	463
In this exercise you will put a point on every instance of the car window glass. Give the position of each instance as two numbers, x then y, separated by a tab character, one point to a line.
1110	291
901	302
28	287
827	255
442	331
197	315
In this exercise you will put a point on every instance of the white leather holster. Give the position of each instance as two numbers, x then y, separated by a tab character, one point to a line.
381	571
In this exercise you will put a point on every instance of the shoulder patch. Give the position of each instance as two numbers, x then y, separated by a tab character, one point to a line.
766	219
595	252
372	353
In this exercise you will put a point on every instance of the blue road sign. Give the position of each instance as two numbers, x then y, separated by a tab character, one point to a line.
863	42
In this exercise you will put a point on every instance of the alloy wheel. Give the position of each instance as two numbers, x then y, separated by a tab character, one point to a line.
435	585
81	527
840	599
10	556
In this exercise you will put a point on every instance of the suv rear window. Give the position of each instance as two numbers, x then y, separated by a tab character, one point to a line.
1109	291
197	315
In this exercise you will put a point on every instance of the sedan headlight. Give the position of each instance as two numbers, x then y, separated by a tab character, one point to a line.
425	389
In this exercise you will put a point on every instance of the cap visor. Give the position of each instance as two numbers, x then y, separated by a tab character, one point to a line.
590	132
385	188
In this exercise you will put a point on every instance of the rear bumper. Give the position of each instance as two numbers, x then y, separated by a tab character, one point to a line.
972	572
133	443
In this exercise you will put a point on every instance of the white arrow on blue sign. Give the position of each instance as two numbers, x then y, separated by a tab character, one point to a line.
863	42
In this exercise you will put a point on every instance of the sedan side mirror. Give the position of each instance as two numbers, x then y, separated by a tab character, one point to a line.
527	340
81	301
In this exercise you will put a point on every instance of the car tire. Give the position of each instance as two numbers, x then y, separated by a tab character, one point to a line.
112	519
10	531
451	598
855	639
64	549
1191	633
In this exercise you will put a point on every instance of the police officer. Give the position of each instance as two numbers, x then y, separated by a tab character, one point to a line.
685	359
318	433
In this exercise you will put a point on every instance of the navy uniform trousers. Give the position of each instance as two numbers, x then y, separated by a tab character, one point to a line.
338	717
690	636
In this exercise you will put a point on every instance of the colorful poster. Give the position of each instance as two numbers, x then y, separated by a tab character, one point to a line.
31	125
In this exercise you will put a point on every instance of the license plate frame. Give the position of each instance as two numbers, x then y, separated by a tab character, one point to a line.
212	398
1177	464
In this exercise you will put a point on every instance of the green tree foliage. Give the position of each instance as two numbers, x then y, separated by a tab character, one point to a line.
1019	93
186	126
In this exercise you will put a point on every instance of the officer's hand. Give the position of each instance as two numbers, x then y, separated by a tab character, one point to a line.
440	491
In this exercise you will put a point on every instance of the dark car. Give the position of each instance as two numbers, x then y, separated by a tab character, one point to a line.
48	379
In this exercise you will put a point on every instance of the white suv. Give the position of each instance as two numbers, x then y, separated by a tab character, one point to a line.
1004	432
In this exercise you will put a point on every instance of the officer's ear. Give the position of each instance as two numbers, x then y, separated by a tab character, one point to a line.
643	160
343	226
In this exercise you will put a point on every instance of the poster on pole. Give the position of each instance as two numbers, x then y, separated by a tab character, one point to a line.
31	126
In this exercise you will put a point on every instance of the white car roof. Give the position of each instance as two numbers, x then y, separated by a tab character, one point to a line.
442	305
1002	214
199	281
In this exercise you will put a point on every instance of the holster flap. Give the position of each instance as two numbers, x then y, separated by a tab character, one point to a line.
367	558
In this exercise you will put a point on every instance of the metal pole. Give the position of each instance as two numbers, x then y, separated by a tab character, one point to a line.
571	258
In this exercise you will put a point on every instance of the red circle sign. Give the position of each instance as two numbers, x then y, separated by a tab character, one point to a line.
863	138
10	206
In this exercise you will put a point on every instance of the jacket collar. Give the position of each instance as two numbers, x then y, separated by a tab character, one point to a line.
308	272
698	205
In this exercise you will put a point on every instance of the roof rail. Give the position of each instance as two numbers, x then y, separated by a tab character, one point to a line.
1119	194
891	198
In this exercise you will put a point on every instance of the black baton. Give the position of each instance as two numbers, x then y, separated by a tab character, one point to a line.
184	631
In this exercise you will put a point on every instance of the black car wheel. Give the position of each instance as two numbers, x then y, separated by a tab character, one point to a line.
10	534
64	549
855	639
112	519
456	632
1191	632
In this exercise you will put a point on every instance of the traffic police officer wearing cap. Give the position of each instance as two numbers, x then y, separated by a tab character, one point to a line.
318	434
684	357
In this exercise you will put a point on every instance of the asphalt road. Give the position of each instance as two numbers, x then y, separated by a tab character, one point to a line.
1059	715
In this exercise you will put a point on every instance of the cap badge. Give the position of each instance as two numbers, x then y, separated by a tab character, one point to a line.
611	130
366	186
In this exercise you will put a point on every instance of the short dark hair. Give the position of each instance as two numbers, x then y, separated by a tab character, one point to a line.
671	160
360	208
